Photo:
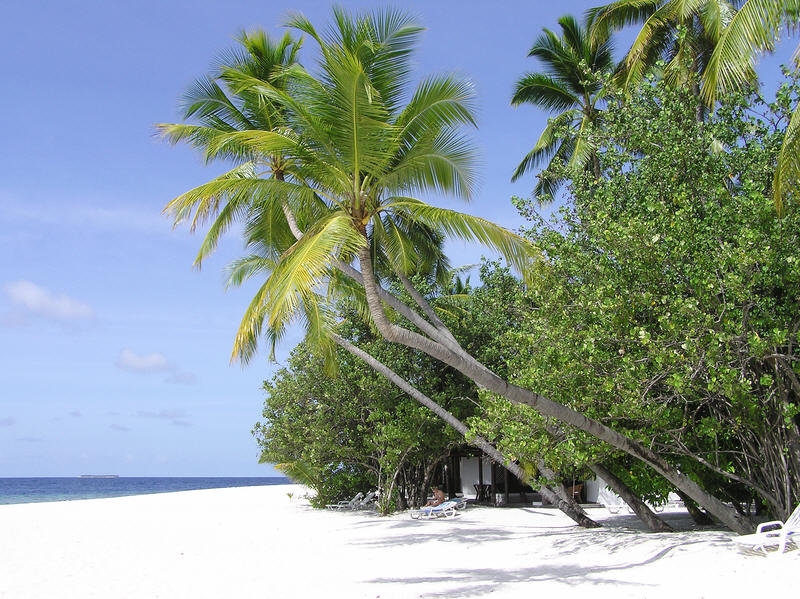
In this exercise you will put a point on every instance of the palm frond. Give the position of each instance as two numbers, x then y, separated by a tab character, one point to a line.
547	145
301	472
515	249
787	173
543	91
445	163
582	153
207	101
204	201
304	266
753	30
439	101
603	20
319	321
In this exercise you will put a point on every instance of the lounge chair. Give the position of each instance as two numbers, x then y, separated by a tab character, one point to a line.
346	505
368	502
461	502
448	509
774	533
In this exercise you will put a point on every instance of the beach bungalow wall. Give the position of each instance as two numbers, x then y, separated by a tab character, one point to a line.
485	481
482	480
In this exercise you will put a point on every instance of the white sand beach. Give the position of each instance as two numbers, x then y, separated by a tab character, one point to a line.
255	542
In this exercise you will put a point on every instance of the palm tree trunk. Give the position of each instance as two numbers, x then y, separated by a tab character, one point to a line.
639	507
559	489
565	506
487	379
698	515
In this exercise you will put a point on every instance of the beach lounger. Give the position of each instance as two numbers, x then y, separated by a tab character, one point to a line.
773	533
447	509
346	505
461	502
368	502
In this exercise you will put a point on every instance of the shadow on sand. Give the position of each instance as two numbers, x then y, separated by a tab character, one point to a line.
483	581
619	534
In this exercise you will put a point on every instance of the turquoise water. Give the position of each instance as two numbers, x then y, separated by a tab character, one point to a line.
35	490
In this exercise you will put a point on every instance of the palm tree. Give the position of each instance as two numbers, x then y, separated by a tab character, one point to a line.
683	33
570	86
753	31
357	150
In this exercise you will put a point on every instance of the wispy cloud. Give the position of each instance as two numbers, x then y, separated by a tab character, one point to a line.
30	299
155	362
8	421
30	439
176	417
163	414
118	427
75	414
142	363
29	218
86	216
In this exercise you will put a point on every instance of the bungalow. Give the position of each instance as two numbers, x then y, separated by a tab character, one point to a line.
470	474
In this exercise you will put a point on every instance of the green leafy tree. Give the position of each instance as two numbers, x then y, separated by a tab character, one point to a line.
668	308
571	86
355	431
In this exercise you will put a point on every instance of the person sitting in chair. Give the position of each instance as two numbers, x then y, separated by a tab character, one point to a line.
438	497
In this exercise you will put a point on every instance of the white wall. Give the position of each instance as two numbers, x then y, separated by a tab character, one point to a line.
469	475
591	489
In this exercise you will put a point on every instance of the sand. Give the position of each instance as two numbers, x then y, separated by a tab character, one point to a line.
257	542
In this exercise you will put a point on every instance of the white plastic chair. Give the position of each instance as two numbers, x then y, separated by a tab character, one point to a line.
368	502
773	533
346	505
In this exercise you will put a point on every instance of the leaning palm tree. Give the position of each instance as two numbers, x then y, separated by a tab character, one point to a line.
358	150
753	31
570	86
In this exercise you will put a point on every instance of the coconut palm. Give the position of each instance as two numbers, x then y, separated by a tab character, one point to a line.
683	33
357	150
570	86
753	31
353	154
215	105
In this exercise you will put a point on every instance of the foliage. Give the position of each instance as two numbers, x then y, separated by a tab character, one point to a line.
356	431
668	304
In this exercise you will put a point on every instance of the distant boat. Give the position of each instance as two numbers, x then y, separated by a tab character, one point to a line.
99	476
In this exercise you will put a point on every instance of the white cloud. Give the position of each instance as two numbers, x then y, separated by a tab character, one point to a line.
143	363
176	417
155	362
35	300
7	421
118	427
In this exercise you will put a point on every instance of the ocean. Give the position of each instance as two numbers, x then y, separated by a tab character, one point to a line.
35	490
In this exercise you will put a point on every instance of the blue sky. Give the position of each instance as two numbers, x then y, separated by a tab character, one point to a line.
114	351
